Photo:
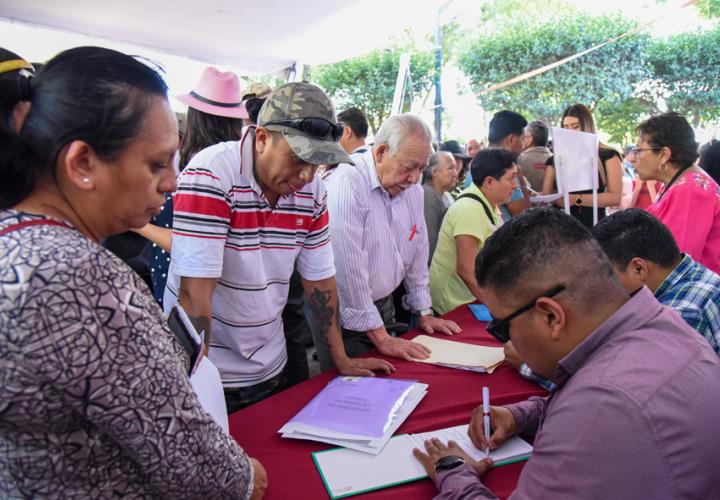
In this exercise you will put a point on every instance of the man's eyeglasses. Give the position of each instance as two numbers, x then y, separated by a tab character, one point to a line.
500	329
635	150
319	128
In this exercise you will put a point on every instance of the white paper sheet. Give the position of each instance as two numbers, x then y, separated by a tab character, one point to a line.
545	199
208	387
576	160
511	449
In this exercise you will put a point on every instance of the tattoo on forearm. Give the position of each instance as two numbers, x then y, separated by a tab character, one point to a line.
323	312
202	323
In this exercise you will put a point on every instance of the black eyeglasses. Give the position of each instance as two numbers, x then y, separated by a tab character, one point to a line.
319	128
635	150
500	329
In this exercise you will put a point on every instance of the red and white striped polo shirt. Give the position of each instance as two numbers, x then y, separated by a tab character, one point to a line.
223	227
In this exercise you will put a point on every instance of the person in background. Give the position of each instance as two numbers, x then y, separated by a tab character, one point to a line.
710	159
636	409
468	223
95	393
377	227
533	158
215	114
506	131
637	193
253	97
689	204
628	169
461	159
439	178
472	148
355	131
578	117
643	252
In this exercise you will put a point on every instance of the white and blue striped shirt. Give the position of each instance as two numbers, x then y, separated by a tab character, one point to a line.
378	242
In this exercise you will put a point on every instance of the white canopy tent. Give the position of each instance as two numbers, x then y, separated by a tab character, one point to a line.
250	37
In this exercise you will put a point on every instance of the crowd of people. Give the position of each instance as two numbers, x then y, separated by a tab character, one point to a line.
271	220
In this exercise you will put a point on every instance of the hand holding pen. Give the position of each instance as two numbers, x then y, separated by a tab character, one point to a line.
502	426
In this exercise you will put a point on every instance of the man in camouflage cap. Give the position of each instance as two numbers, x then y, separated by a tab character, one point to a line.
306	118
245	214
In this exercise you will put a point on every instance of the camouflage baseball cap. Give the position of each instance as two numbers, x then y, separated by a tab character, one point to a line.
255	89
303	100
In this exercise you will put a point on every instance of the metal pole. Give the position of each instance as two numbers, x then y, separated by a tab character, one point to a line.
400	84
438	73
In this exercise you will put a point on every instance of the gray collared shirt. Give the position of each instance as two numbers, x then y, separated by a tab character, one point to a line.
636	415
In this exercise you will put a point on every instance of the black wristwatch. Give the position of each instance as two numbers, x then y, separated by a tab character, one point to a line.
448	463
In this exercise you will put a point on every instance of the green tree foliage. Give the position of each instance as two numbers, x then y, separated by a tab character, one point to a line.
686	69
604	79
368	82
619	120
708	8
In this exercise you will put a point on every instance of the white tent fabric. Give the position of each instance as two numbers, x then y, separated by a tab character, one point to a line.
254	37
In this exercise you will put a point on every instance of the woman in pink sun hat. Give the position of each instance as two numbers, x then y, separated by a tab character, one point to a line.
215	114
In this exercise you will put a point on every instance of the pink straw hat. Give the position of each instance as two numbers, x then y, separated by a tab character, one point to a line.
216	93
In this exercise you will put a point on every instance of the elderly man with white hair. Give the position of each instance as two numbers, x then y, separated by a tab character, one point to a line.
378	232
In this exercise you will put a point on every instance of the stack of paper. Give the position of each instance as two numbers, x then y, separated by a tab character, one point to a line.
347	472
361	413
462	356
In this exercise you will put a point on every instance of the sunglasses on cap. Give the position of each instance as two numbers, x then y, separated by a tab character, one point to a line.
319	128
500	329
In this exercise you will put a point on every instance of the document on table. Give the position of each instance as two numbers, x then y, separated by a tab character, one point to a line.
346	472
513	450
459	355
347	436
361	406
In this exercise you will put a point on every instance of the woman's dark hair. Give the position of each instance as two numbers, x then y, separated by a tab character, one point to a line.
491	162
584	116
14	84
96	95
710	159
253	105
671	130
202	130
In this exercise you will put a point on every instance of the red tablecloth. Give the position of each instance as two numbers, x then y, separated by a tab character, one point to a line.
452	396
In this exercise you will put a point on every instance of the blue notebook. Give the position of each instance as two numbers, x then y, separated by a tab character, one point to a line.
480	311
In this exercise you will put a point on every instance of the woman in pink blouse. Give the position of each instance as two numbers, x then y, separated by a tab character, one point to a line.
690	202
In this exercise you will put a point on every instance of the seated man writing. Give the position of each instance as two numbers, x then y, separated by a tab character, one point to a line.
636	409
